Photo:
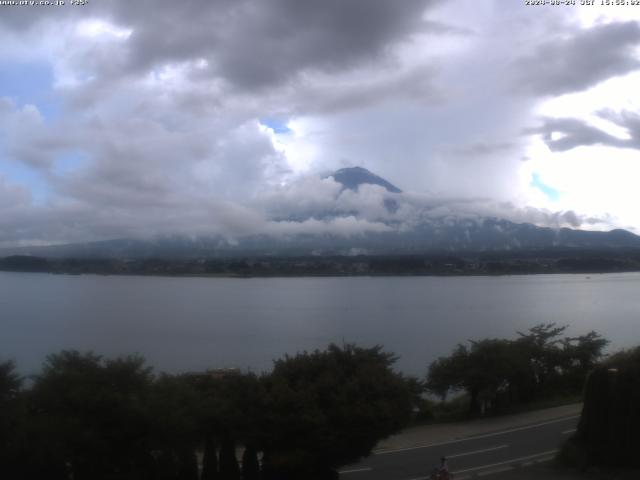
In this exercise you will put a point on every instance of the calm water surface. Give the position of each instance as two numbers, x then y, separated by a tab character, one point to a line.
182	324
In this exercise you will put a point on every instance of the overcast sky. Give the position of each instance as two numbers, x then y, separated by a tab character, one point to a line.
122	118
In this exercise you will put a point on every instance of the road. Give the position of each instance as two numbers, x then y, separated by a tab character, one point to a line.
470	456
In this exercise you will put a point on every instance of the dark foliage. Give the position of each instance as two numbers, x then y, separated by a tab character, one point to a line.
229	468
607	434
11	439
329	408
209	460
92	418
499	373
250	464
87	415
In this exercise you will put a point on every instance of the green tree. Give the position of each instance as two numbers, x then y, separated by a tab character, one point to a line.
504	372
581	355
607	433
482	370
10	382
250	464
231	409
11	420
229	468
541	346
329	408
88	416
209	459
446	374
174	431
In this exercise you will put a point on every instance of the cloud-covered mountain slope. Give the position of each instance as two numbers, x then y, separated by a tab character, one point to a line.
354	211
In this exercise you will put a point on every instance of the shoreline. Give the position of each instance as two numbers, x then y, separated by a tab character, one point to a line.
316	275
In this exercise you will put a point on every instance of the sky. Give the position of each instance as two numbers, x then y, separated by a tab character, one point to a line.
201	117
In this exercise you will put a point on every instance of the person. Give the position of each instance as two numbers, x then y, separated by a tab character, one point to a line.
442	472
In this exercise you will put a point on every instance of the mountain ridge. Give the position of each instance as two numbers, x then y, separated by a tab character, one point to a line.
443	234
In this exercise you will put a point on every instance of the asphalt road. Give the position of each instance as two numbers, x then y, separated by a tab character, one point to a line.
468	457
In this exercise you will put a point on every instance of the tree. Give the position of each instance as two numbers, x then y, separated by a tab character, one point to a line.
209	460
481	370
173	408
581	355
229	468
250	465
503	371
446	373
541	347
231	409
10	382
11	420
329	408
607	433
88	416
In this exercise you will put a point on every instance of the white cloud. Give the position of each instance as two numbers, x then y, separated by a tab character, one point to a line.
163	103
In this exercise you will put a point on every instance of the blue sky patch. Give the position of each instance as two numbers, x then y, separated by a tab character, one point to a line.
21	174
275	124
69	162
29	83
551	193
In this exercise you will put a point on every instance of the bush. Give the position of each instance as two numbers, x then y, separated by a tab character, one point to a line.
607	434
330	408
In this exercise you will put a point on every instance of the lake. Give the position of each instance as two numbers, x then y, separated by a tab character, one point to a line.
190	324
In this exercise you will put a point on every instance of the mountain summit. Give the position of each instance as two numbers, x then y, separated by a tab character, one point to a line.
384	223
351	178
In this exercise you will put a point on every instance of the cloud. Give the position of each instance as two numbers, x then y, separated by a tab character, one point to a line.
563	134
341	226
480	149
250	45
306	197
316	199
24	136
313	206
13	196
570	61
254	44
326	96
158	130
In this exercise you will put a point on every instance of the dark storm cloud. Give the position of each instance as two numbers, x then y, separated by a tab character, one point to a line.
250	44
415	85
254	44
581	59
481	149
572	133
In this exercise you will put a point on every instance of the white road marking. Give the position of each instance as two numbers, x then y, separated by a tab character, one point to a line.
356	470
466	439
495	470
506	462
518	429
476	451
567	432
